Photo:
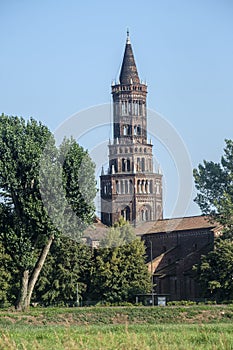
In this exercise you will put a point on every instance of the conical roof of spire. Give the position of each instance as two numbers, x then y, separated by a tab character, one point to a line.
129	73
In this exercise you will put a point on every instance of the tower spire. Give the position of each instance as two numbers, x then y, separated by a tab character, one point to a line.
131	188
129	73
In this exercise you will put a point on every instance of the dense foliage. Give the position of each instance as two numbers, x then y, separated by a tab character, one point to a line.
119	270
66	268
41	194
214	182
215	272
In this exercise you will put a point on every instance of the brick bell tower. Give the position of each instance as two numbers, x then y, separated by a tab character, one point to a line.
130	188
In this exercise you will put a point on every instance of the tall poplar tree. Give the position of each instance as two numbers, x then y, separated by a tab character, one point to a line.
41	195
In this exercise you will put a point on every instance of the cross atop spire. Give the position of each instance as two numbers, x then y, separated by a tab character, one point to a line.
129	73
128	38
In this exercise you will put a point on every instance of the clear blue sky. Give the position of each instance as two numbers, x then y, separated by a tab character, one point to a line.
58	57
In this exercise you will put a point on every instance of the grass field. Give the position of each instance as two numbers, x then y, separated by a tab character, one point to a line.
183	328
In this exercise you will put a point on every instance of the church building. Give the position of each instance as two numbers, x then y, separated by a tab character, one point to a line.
132	189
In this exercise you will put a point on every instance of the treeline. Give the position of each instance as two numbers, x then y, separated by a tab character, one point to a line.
107	275
47	201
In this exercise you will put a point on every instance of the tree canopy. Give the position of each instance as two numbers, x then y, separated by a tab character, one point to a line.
68	264
35	191
119	269
214	183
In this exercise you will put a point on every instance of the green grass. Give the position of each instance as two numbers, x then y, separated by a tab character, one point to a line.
117	337
118	328
108	315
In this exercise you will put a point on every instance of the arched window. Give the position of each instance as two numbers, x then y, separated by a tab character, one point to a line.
126	213
142	215
145	213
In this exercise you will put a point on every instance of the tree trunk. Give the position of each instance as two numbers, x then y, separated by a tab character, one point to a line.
23	290
28	284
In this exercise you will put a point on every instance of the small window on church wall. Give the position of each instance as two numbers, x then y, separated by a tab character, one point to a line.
138	164
138	130
123	164
135	130
117	187
116	166
142	215
130	107
128	164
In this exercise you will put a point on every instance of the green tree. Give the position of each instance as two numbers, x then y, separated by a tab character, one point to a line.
214	183
119	269
215	272
35	182
67	264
